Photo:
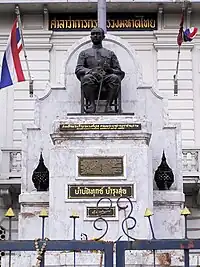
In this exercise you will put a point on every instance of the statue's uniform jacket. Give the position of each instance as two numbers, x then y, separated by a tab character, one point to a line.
92	58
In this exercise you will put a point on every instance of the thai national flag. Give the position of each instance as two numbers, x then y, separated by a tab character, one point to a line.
11	71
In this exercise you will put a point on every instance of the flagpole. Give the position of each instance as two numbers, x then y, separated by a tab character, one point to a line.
176	74
25	54
101	7
180	39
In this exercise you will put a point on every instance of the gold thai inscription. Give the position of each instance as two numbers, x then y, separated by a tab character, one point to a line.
115	21
101	211
99	127
72	24
100	166
98	191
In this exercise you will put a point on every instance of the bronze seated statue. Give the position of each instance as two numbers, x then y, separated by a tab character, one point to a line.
100	75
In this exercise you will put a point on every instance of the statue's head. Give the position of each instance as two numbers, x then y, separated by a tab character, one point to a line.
97	35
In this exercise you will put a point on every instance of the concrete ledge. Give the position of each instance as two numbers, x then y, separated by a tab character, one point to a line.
168	197
34	198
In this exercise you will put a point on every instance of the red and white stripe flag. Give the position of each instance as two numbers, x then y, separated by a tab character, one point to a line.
11	71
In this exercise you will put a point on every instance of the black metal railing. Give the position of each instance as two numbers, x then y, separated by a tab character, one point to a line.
108	249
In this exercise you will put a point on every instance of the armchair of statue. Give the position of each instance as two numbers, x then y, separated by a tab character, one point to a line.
102	101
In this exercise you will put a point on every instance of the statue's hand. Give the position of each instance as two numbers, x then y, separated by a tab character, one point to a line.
90	71
107	68
97	73
94	72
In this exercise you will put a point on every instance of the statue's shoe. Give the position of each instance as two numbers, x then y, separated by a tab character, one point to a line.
91	109
109	109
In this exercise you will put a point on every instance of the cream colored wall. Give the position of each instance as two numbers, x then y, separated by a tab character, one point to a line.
18	107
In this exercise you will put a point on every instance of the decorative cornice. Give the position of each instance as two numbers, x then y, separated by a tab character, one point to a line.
168	196
167	203
10	149
31	34
39	40
165	33
38	46
59	138
40	34
31	45
80	34
34	197
159	46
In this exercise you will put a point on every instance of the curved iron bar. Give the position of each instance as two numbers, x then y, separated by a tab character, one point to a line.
99	228
125	207
127	217
84	236
118	238
100	218
129	227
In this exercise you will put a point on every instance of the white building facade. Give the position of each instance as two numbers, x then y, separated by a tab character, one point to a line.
47	39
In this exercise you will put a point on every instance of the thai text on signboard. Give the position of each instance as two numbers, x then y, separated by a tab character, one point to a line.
100	127
98	191
100	166
115	22
101	211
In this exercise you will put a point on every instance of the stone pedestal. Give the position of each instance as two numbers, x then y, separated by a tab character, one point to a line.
168	221
123	143
30	224
123	138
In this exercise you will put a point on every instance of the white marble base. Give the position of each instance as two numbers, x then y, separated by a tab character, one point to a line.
89	259
132	145
168	222
30	224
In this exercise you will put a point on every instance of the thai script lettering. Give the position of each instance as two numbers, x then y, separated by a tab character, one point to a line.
115	191
115	22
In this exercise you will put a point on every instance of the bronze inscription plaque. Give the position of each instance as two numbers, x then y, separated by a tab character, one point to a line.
99	191
100	127
101	211
100	166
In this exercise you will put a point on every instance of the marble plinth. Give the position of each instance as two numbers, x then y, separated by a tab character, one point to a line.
133	259
131	145
168	221
30	224
134	147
